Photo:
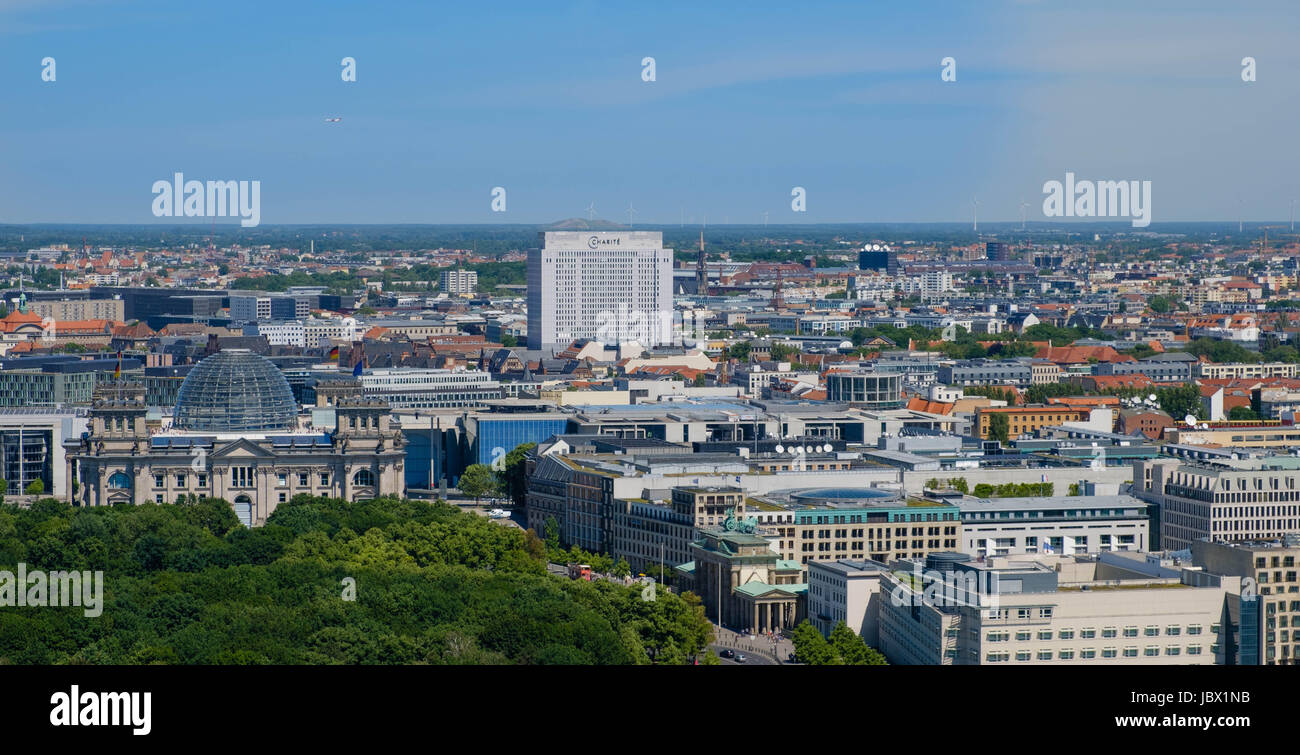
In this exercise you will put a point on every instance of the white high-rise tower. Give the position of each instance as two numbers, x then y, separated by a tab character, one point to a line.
613	287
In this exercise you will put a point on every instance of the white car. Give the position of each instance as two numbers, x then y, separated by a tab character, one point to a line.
498	513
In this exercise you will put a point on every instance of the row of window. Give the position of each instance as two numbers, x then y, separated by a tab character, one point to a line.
1022	635
1149	651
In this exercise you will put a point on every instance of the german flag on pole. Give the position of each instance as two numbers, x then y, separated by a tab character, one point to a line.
333	355
117	373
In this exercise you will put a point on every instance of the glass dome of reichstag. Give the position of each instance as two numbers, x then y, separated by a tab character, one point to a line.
235	391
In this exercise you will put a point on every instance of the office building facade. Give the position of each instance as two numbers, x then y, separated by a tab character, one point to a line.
612	287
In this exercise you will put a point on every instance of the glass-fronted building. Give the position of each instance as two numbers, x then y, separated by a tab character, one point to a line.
235	391
869	390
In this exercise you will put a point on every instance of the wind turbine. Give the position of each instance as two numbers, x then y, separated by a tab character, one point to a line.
975	203
1023	206
1241	207
1293	216
591	211
764	218
630	212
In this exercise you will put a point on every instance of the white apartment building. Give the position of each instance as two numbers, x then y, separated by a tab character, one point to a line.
317	332
458	281
934	282
1227	500
847	591
1058	612
416	388
1062	525
1246	371
289	333
613	287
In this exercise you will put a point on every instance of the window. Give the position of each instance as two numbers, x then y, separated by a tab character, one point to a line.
1067	634
1044	655
1152	631
1151	650
1193	649
1194	629
1022	655
203	481
180	480
1088	653
159	481
1044	613
1130	652
304	479
282	479
1045	635
1130	631
1108	652
1173	650
1108	632
1022	636
1066	655
282	498
1173	631
1087	634
324	479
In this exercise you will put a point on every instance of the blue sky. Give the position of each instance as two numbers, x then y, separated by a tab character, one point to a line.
546	100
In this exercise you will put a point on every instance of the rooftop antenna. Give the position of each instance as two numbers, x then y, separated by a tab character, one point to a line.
1023	206
975	204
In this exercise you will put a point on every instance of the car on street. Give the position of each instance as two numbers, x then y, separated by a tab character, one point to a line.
740	658
726	653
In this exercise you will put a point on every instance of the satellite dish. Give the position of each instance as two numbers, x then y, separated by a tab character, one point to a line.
780	448
828	448
1152	397
1190	420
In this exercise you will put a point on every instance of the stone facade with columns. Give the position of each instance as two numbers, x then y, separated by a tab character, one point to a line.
120	461
743	582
